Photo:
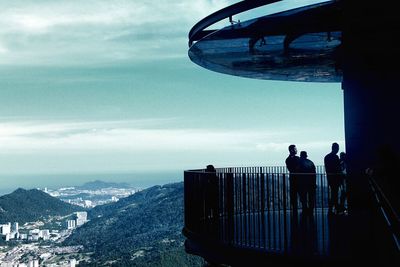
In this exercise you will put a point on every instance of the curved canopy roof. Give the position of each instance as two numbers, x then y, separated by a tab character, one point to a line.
302	44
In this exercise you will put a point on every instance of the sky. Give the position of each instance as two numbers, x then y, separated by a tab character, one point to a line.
103	86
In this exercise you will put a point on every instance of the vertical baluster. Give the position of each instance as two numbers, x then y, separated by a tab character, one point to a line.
279	209
202	204
285	237
248	201
253	212
229	205
323	204
259	207
226	192
244	207
273	211
248	207
262	208
269	209
223	207
235	204
251	234
241	207
220	207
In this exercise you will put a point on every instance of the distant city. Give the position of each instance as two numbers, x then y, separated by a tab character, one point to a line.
92	194
34	243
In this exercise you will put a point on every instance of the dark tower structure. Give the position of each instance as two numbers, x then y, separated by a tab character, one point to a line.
352	42
371	93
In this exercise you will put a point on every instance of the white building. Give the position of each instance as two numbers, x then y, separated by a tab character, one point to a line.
5	229
34	232
88	204
72	263
81	217
71	224
23	236
33	235
44	234
15	227
33	263
14	235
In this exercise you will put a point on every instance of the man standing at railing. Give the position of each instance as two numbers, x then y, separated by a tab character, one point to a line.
306	183
333	175
292	163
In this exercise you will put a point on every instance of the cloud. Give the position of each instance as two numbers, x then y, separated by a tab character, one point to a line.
90	32
152	137
94	146
141	135
101	31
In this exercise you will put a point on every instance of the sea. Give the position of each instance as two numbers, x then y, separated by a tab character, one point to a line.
142	180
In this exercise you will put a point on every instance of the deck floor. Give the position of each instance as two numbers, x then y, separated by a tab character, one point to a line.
283	232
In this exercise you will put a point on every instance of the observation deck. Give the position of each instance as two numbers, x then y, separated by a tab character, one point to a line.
243	215
238	215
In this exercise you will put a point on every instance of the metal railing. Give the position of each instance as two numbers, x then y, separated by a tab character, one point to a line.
250	207
197	32
388	213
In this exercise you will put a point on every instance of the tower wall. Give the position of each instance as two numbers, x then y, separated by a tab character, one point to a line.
371	87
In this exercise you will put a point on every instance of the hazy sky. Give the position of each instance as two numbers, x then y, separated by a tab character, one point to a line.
107	86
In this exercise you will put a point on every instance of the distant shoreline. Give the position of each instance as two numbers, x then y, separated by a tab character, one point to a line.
9	183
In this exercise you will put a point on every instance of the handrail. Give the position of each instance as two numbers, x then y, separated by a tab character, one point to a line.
320	169
245	5
391	217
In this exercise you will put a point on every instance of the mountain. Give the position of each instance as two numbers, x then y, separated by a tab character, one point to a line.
143	229
31	205
97	184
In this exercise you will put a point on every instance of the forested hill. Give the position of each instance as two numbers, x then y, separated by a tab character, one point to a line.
31	205
143	229
139	198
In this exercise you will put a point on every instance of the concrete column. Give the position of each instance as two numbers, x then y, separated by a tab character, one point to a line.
371	74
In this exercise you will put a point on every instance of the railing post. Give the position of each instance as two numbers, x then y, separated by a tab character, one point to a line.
274	209
262	235
285	237
244	215
230	207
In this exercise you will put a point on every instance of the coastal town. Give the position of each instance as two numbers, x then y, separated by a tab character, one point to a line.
39	243
31	243
92	194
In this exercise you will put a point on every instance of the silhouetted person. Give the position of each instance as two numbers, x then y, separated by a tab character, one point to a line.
212	200
307	183
343	180
292	163
333	174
